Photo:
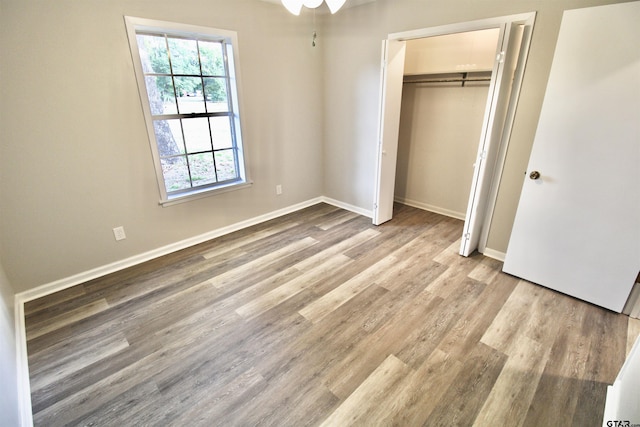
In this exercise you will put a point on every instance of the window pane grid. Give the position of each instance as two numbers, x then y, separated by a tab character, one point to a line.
186	183
200	153
221	163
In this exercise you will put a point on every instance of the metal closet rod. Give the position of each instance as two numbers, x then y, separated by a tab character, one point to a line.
464	78
449	81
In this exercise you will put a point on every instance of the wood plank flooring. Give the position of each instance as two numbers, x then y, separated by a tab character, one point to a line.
320	318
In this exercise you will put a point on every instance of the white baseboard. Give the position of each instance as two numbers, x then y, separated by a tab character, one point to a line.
430	208
85	276
491	253
348	207
21	298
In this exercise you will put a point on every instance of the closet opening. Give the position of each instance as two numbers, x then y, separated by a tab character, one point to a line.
444	97
448	98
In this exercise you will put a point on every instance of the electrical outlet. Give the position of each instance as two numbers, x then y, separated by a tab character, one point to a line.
278	189
118	233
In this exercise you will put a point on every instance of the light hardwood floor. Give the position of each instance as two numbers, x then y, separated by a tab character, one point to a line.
320	318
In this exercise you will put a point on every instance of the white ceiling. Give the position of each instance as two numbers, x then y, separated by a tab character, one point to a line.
349	3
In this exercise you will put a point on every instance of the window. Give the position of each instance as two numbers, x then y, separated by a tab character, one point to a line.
189	96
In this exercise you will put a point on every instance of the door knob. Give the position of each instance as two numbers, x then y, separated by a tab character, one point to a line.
534	175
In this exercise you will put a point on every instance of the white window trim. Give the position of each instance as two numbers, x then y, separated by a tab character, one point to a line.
134	24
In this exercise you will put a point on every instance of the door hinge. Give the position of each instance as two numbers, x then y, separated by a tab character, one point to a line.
375	206
466	236
483	155
500	57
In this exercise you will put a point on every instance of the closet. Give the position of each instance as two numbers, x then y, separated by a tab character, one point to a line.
444	98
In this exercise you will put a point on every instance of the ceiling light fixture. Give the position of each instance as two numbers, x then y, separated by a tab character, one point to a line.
295	6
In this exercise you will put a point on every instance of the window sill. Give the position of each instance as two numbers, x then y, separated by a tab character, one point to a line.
199	194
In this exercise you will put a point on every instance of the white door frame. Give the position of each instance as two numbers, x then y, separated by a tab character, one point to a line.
492	173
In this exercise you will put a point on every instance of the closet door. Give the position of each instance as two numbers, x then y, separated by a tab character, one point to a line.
391	89
577	228
494	121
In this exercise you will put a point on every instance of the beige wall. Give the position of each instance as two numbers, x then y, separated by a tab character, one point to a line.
74	155
353	86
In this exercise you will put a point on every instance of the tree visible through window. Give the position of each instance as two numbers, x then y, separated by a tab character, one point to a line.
191	95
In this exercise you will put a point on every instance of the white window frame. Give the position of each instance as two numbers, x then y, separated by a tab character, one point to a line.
133	25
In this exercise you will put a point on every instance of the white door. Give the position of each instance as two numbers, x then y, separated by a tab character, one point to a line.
494	122
577	228
391	100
